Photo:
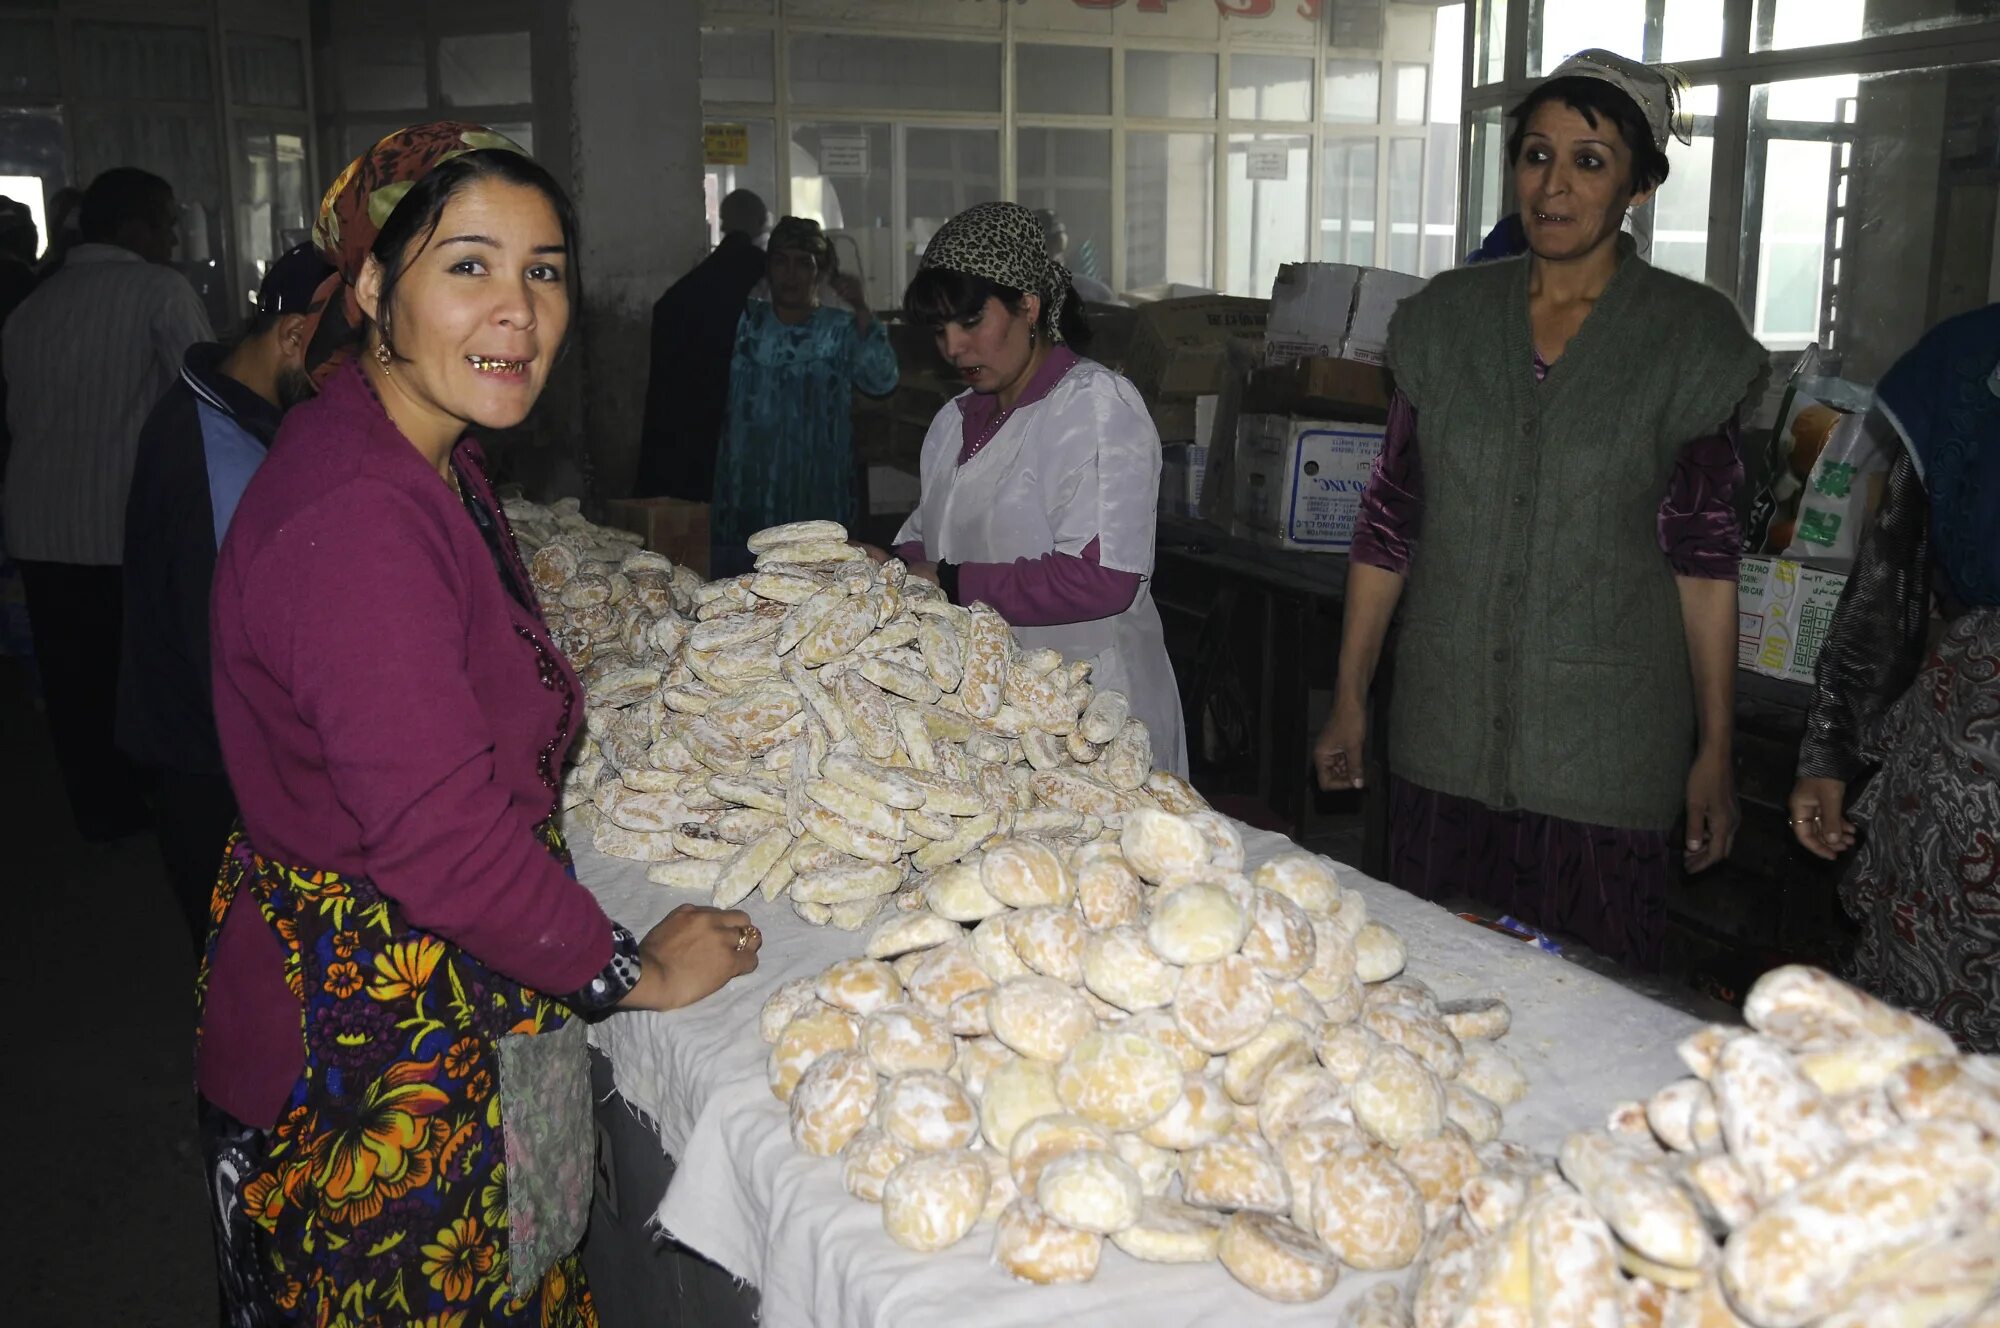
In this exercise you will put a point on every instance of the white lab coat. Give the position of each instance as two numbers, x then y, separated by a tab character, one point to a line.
1082	463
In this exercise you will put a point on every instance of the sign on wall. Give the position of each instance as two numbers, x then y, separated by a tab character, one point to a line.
725	144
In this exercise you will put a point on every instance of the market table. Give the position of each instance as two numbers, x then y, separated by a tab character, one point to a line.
743	1197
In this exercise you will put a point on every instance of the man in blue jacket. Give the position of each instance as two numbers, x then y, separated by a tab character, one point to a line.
197	452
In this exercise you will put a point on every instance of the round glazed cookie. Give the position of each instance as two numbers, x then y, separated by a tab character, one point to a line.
1331	971
1048	940
1295	1002
787	1003
1046	1138
814	1034
1280	1044
1378	953
976	1058
1107	889
1161	1026
1119	966
1301	1154
1276	1260
1238	1171
1280	940
1120	1080
1025	873
971	1015
1090	1191
995	952
1439	1168
859	986
932	1200
904	966
1367	1211
1306	880
1156	1168
1479	1118
1196	924
1225	846
1345	1050
1036	1248
1478	1019
1169	1231
903	1038
1300	1093
1221	1005
902	933
1493	1074
1396	1099
1404	990
1040	1017
1000	1188
1017	1092
832	1102
957	892
1202	1115
1158	844
1351	913
946	973
1345	1005
866	1162
1422	1035
928	1111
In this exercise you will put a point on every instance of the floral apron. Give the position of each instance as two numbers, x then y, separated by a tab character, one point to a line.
433	1164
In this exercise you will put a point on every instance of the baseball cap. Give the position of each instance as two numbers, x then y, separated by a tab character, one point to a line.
292	281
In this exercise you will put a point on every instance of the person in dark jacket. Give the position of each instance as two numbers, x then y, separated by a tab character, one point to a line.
197	452
694	332
18	241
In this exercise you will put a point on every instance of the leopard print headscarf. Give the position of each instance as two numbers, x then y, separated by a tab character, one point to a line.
1003	243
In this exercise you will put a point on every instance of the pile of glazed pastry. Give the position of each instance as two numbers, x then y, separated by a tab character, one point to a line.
1834	1165
1132	1040
823	728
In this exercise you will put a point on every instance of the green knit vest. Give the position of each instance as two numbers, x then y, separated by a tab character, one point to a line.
1542	663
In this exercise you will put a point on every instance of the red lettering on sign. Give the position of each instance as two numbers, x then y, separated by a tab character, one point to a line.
1309	9
1246	8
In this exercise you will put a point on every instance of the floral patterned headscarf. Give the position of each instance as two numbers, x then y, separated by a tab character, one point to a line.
1003	242
358	204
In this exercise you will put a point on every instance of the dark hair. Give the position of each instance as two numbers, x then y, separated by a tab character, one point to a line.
1593	98
939	295
119	196
256	325
415	220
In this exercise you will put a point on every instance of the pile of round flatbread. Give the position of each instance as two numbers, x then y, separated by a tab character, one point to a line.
824	727
1135	1041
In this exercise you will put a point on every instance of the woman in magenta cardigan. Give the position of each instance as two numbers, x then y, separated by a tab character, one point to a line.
391	1060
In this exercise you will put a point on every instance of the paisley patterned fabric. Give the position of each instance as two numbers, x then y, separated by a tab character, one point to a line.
1926	884
385	1194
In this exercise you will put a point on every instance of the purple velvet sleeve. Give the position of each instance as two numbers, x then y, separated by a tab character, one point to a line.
911	552
1699	529
1392	506
1052	589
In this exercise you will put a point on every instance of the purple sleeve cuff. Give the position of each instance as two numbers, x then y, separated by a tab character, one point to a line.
1699	529
1392	506
911	553
1050	590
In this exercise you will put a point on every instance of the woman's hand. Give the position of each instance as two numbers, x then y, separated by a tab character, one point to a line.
1712	816
848	287
1338	755
924	572
1818	809
690	954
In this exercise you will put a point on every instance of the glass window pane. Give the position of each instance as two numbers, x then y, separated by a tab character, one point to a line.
1169	210
1680	208
33	162
1692	30
1569	26
736	66
1787	24
1488	186
1440	201
1068	171
271	201
1270	208
946	172
1159	84
1347	201
266	71
1353	91
1062	80
141	62
1406	185
385	74
1412	94
1270	87
895	73
485	69
28	64
731	8
1448	64
1489	54
841	179
181	147
1355	25
759	175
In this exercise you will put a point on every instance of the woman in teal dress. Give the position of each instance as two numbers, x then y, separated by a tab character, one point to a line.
788	441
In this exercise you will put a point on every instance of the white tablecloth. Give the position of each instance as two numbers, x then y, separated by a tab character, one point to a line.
743	1197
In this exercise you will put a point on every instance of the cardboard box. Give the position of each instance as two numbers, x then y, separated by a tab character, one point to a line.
1322	388
1180	347
1183	419
1333	310
670	526
1783	612
1299	481
1183	468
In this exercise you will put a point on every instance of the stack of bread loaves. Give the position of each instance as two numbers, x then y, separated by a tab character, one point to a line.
1834	1165
823	727
1132	1040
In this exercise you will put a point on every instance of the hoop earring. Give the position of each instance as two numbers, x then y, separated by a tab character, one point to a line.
383	355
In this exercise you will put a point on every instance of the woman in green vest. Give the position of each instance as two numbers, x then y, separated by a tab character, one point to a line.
1566	660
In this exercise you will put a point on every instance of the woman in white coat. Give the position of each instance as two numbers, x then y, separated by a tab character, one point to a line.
1041	481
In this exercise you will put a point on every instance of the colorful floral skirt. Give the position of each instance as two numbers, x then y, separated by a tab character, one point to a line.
397	1188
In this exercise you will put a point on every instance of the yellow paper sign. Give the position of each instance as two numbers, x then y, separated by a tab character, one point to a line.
726	144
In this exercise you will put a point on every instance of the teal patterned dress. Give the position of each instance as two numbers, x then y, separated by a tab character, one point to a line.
787	449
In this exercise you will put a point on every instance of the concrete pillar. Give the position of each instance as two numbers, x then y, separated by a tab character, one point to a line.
635	158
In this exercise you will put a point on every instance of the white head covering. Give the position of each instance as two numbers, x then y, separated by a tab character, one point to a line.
1655	89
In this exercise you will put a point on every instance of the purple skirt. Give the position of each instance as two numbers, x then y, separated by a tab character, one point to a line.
1606	887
